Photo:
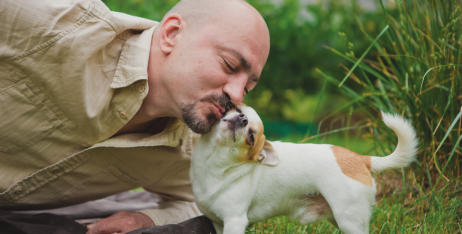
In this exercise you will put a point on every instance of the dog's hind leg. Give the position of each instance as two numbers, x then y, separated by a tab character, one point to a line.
352	213
235	225
357	224
351	204
351	218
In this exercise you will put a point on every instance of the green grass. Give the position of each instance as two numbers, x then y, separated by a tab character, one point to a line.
408	210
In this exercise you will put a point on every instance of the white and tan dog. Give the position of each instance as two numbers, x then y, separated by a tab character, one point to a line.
240	178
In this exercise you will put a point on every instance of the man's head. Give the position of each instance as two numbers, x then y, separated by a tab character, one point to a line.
206	55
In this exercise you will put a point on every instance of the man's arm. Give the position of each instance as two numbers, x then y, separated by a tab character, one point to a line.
176	205
25	25
120	222
175	190
172	211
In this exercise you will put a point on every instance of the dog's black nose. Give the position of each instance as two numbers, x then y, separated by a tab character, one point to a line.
243	119
239	120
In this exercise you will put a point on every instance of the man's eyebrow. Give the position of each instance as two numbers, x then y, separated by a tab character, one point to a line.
254	78
245	64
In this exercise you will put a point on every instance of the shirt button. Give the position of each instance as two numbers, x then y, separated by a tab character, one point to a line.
56	170
122	115
19	191
141	88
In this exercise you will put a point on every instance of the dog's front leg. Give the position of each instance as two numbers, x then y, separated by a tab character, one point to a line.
218	227
235	225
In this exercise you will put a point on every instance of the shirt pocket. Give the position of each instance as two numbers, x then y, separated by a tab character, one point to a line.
112	178
24	119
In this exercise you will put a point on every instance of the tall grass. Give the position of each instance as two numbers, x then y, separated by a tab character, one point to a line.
415	72
411	68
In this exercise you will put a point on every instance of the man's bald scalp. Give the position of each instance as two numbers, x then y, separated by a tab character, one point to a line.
199	12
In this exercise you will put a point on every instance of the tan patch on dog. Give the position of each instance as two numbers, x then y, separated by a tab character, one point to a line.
354	165
250	153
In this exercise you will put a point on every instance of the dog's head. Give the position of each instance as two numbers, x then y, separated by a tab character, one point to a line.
241	130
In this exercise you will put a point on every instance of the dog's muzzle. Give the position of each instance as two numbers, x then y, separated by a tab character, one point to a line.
237	121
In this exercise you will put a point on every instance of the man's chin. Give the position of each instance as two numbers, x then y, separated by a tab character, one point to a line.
200	127
198	122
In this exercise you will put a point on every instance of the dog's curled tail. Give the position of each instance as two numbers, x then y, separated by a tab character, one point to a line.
406	149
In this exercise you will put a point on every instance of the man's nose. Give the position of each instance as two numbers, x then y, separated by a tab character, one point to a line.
235	89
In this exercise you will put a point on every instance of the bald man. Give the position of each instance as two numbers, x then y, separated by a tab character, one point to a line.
95	102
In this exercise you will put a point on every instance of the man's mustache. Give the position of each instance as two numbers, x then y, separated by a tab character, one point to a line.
223	100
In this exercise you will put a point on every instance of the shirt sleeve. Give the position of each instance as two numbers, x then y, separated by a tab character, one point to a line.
173	211
28	26
176	196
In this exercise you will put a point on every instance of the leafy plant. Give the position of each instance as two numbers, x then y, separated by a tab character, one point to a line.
415	73
297	36
148	9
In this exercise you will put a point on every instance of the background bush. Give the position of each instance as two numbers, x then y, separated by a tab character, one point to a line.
333	66
298	34
416	73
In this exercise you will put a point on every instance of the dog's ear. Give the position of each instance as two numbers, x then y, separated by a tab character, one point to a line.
268	155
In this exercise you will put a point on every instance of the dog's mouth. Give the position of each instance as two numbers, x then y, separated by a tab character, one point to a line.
235	122
232	129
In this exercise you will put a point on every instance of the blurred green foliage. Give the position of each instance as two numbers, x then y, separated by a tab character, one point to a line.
298	34
149	9
416	73
289	84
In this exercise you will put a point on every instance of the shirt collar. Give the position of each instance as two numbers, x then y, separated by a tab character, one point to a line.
133	61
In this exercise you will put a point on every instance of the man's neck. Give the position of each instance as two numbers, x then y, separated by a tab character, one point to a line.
152	127
157	105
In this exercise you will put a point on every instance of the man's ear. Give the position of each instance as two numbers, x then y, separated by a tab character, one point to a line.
268	155
169	31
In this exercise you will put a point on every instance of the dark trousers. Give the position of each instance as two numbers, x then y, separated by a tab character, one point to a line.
197	225
11	223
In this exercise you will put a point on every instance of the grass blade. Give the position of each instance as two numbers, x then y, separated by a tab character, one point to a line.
335	131
442	141
362	56
423	78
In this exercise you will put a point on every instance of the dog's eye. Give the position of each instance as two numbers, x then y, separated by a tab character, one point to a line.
249	138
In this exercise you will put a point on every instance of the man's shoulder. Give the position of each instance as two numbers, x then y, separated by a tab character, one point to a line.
30	24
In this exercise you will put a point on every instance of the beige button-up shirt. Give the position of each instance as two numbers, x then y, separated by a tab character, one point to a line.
72	73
